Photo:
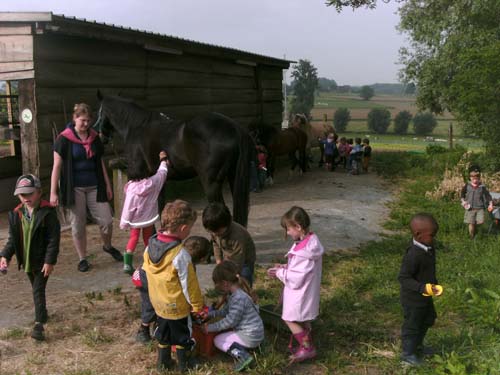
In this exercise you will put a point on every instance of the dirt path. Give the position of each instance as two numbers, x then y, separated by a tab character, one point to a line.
345	210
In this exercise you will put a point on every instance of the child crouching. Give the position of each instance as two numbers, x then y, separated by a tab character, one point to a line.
241	320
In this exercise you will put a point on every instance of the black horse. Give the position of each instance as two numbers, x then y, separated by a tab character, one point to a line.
290	141
210	146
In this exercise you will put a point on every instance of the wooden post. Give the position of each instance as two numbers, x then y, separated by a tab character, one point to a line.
29	129
15	146
450	135
119	180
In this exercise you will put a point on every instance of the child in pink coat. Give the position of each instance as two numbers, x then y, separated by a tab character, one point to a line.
140	209
301	277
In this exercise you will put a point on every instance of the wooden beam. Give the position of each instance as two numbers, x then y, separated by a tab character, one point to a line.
25	16
29	131
16	76
10	67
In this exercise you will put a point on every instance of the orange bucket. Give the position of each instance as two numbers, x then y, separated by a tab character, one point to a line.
204	341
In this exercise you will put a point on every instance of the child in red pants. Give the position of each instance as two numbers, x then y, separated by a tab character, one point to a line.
140	209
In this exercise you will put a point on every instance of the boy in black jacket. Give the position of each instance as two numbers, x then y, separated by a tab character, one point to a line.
418	284
34	235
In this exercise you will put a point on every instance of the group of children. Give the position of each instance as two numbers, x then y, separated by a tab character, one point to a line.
170	293
351	154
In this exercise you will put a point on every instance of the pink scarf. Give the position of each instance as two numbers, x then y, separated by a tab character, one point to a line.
70	135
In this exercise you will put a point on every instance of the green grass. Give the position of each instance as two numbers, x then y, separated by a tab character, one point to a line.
358	329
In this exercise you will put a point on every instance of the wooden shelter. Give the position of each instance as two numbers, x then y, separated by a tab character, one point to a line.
55	61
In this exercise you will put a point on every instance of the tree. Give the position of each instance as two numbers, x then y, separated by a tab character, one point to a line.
341	118
424	123
305	82
366	92
453	60
326	85
379	120
401	122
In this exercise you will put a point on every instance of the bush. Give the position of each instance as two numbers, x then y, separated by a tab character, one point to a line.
341	118
366	92
401	122
435	149
424	123
379	120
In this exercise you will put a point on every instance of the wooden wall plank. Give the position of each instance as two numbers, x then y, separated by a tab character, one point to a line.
272	95
9	29
54	74
172	78
15	76
271	73
184	96
197	64
16	48
272	107
9	67
273	84
71	49
53	100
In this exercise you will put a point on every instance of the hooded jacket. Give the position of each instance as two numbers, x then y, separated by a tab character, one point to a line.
140	208
45	237
172	283
302	279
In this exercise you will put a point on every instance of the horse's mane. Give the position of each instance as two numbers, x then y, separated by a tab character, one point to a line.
132	113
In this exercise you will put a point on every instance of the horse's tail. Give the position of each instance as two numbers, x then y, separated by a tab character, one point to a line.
241	190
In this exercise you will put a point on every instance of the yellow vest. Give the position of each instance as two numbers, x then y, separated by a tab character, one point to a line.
165	288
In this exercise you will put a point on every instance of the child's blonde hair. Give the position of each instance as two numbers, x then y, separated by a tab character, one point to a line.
296	216
228	271
175	214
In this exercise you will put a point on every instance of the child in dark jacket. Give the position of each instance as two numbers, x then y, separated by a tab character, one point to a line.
34	235
418	285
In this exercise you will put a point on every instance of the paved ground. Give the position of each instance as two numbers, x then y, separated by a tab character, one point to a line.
345	211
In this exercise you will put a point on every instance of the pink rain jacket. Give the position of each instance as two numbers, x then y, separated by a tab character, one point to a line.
140	208
302	278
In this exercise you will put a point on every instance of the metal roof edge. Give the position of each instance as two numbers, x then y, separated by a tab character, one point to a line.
272	60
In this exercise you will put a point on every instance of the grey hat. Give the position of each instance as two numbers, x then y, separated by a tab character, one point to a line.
27	184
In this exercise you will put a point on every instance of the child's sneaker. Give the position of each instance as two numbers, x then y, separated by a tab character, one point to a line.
37	332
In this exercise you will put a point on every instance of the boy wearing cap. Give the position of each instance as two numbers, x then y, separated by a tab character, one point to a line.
417	278
34	235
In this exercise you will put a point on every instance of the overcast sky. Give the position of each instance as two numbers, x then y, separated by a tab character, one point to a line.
356	48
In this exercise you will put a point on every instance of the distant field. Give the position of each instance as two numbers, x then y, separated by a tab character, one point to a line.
328	103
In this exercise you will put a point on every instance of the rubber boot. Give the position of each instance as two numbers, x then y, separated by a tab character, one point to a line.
241	355
164	359
409	355
185	360
127	263
306	349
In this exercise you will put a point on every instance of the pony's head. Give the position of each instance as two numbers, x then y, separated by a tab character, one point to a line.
110	116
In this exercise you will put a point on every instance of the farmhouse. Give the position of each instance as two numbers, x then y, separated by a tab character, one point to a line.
49	62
